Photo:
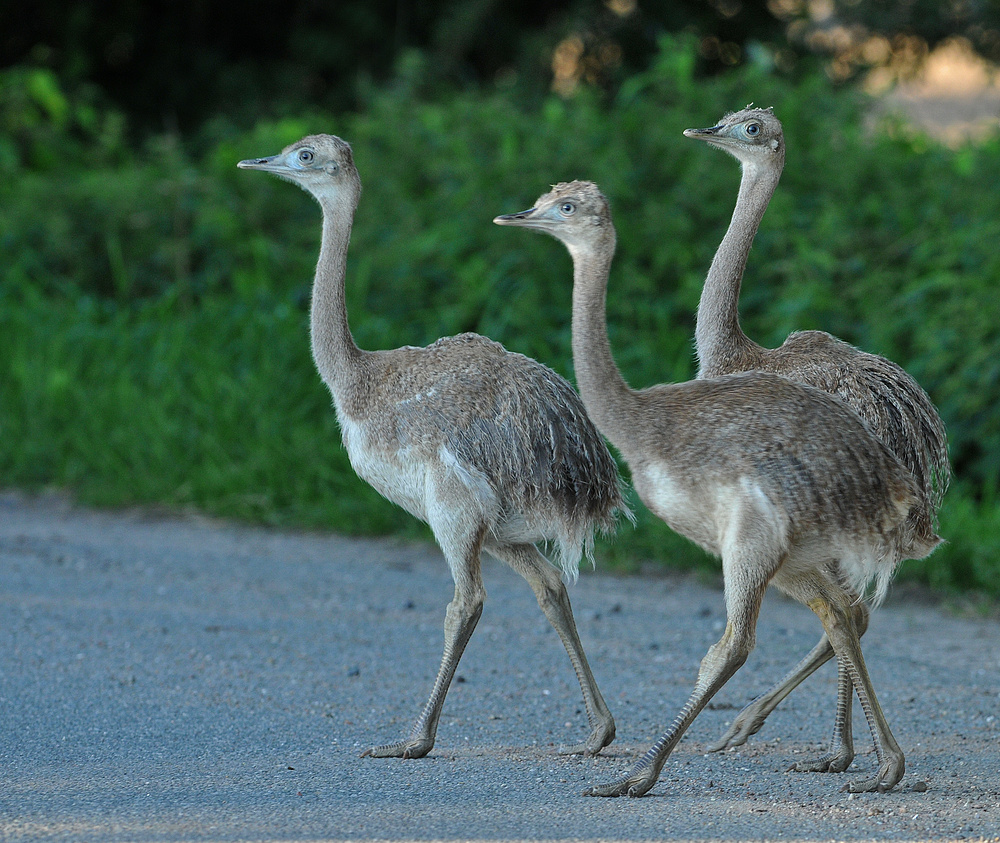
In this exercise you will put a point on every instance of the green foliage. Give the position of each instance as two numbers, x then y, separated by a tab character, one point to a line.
213	407
43	129
153	328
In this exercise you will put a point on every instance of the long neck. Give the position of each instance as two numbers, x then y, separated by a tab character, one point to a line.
604	391
718	335
333	347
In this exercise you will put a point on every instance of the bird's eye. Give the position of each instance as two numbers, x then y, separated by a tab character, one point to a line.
753	129
306	156
567	208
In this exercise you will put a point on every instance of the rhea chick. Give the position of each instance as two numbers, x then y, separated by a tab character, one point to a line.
782	481
491	449
893	404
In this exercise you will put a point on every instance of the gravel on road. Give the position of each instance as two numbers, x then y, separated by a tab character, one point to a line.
167	678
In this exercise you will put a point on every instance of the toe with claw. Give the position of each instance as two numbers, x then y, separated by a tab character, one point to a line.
638	784
829	763
889	773
413	748
746	724
601	737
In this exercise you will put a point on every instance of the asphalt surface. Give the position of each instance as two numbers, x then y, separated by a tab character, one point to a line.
169	679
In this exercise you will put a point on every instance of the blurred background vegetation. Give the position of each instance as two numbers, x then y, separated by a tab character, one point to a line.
153	330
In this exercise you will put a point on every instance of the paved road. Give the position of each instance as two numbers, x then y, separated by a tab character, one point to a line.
175	679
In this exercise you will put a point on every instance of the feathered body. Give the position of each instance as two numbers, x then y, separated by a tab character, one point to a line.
510	429
783	481
492	449
831	493
890	401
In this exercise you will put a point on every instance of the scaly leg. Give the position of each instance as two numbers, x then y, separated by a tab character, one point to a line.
744	592
553	599
459	624
461	550
749	721
835	613
841	752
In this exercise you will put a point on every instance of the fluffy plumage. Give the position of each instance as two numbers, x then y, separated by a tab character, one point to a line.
888	399
784	482
492	449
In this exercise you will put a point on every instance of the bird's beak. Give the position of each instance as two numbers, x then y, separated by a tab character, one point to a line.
703	134
272	164
520	218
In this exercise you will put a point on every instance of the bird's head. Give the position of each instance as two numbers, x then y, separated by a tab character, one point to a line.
575	212
321	164
753	136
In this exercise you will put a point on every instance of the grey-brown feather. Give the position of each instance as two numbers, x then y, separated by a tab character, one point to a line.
812	457
888	399
514	421
490	448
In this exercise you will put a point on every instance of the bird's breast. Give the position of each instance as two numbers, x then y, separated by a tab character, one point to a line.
389	470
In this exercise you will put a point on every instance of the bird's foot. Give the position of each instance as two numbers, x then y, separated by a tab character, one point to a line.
634	785
600	737
889	773
746	723
832	762
412	748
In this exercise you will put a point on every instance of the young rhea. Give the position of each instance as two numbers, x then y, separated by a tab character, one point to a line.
893	404
492	449
781	480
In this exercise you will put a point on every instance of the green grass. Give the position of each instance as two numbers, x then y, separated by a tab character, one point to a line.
215	407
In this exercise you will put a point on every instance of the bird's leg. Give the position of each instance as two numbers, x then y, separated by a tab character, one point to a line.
553	599
459	623
462	554
722	661
839	624
724	658
602	724
841	752
749	721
